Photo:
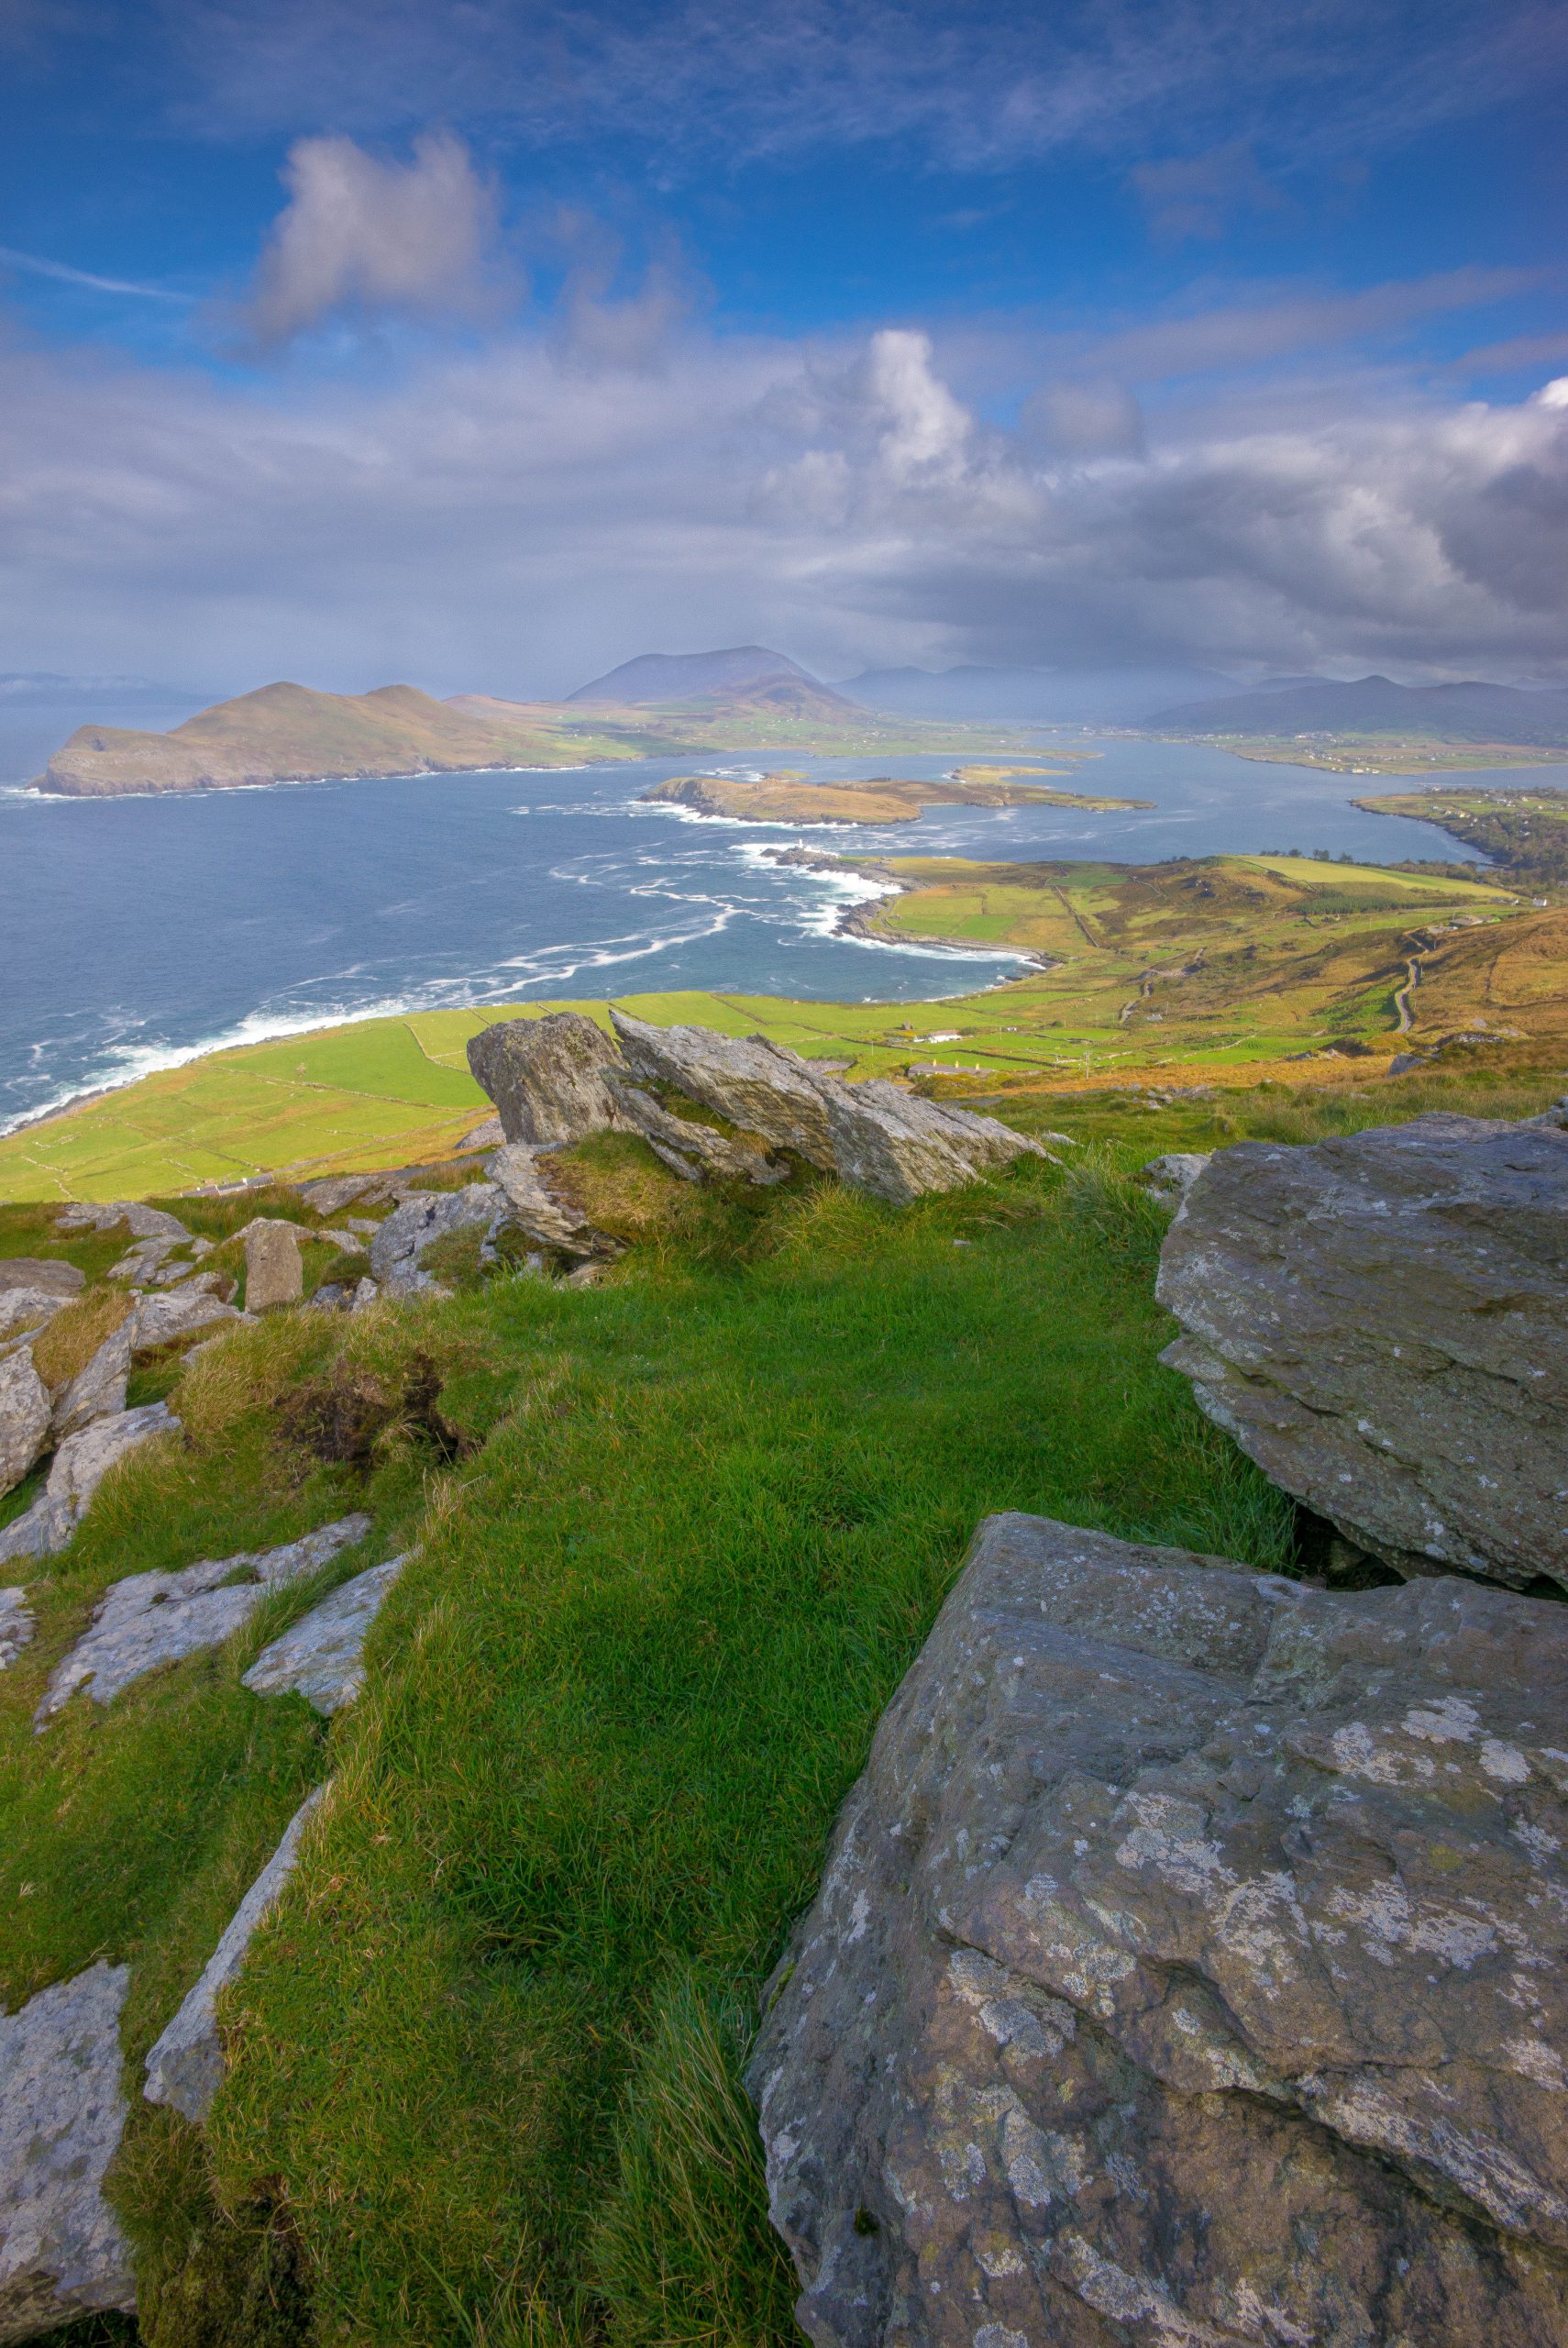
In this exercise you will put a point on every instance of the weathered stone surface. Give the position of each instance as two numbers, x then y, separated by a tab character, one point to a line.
152	1618
150	1263
274	1270
539	1213
25	1414
98	1390
1188	1971
758	1086
61	2112
489	1134
161	1320
185	2066
141	1222
322	1658
546	1076
78	1467
1382	1323
690	1150
17	1624
365	1293
424	1217
25	1311
335	1191
1169	1178
901	1148
40	1272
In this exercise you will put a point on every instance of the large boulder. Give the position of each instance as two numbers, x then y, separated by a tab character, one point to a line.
25	1415
185	2067
899	1146
694	1151
757	1086
1382	1324
1187	1969
274	1268
153	1618
78	1469
546	1076
62	2114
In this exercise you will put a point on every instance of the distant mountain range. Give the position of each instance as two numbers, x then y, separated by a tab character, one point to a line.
1460	712
1046	696
657	677
42	689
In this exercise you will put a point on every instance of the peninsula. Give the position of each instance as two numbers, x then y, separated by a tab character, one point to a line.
882	799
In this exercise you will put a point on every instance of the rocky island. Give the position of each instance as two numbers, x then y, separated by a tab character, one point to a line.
882	799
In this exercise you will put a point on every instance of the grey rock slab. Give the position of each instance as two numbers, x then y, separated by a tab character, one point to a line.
78	1469
901	1147
176	1313
1381	1322
62	2114
17	1624
152	1618
1187	1968
365	1293
274	1269
546	1076
758	1086
335	1191
1169	1178
322	1657
25	1414
185	2067
25	1310
424	1217
141	1222
539	1213
690	1150
98	1390
40	1272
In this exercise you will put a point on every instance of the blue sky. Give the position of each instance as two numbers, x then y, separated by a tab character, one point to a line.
490	344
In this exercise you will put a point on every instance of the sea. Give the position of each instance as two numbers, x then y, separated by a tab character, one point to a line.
137	932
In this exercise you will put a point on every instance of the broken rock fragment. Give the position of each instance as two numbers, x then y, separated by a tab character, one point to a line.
78	1467
98	1390
1187	1967
25	1412
274	1269
185	2066
322	1657
547	1077
17	1624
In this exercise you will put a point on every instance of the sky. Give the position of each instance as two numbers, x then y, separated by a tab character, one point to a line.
487	345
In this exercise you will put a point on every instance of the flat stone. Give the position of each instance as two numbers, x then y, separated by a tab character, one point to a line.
152	1618
546	1076
40	1272
161	1320
25	1415
185	2067
62	2114
322	1657
141	1222
1381	1322
98	1390
1188	1971
335	1191
1169	1178
274	1269
17	1624
424	1217
78	1467
25	1311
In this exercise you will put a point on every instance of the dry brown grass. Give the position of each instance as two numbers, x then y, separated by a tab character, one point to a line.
69	1342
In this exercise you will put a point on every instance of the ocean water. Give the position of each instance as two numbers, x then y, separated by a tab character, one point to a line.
136	933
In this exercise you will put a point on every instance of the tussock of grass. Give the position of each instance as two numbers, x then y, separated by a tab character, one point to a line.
70	1341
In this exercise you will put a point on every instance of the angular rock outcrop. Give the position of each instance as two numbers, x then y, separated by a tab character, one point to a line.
1188	1971
78	1467
141	1222
335	1191
185	2066
322	1657
901	1147
1169	1178
546	1076
157	1618
274	1269
25	1311
98	1390
424	1217
45	1273
539	1213
17	1624
757	1086
25	1415
175	1312
62	2114
1382	1324
694	1152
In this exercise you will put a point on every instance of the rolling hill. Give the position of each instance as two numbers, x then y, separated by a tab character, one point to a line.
1472	711
657	677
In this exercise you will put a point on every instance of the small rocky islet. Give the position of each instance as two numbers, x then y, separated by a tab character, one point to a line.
1187	1964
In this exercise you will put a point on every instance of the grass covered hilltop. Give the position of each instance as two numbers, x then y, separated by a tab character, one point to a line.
676	1537
790	799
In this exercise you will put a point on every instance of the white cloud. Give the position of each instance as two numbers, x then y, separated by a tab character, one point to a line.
374	236
518	519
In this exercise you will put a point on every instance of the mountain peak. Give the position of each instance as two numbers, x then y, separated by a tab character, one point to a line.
655	676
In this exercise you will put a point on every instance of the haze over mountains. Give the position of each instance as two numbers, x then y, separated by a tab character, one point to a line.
1474	711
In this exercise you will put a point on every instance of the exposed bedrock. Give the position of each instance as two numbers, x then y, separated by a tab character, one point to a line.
1187	1968
1382	1324
546	1076
423	1217
78	1469
61	2113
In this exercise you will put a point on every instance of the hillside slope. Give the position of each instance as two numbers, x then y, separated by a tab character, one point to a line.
1459	713
287	733
655	676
